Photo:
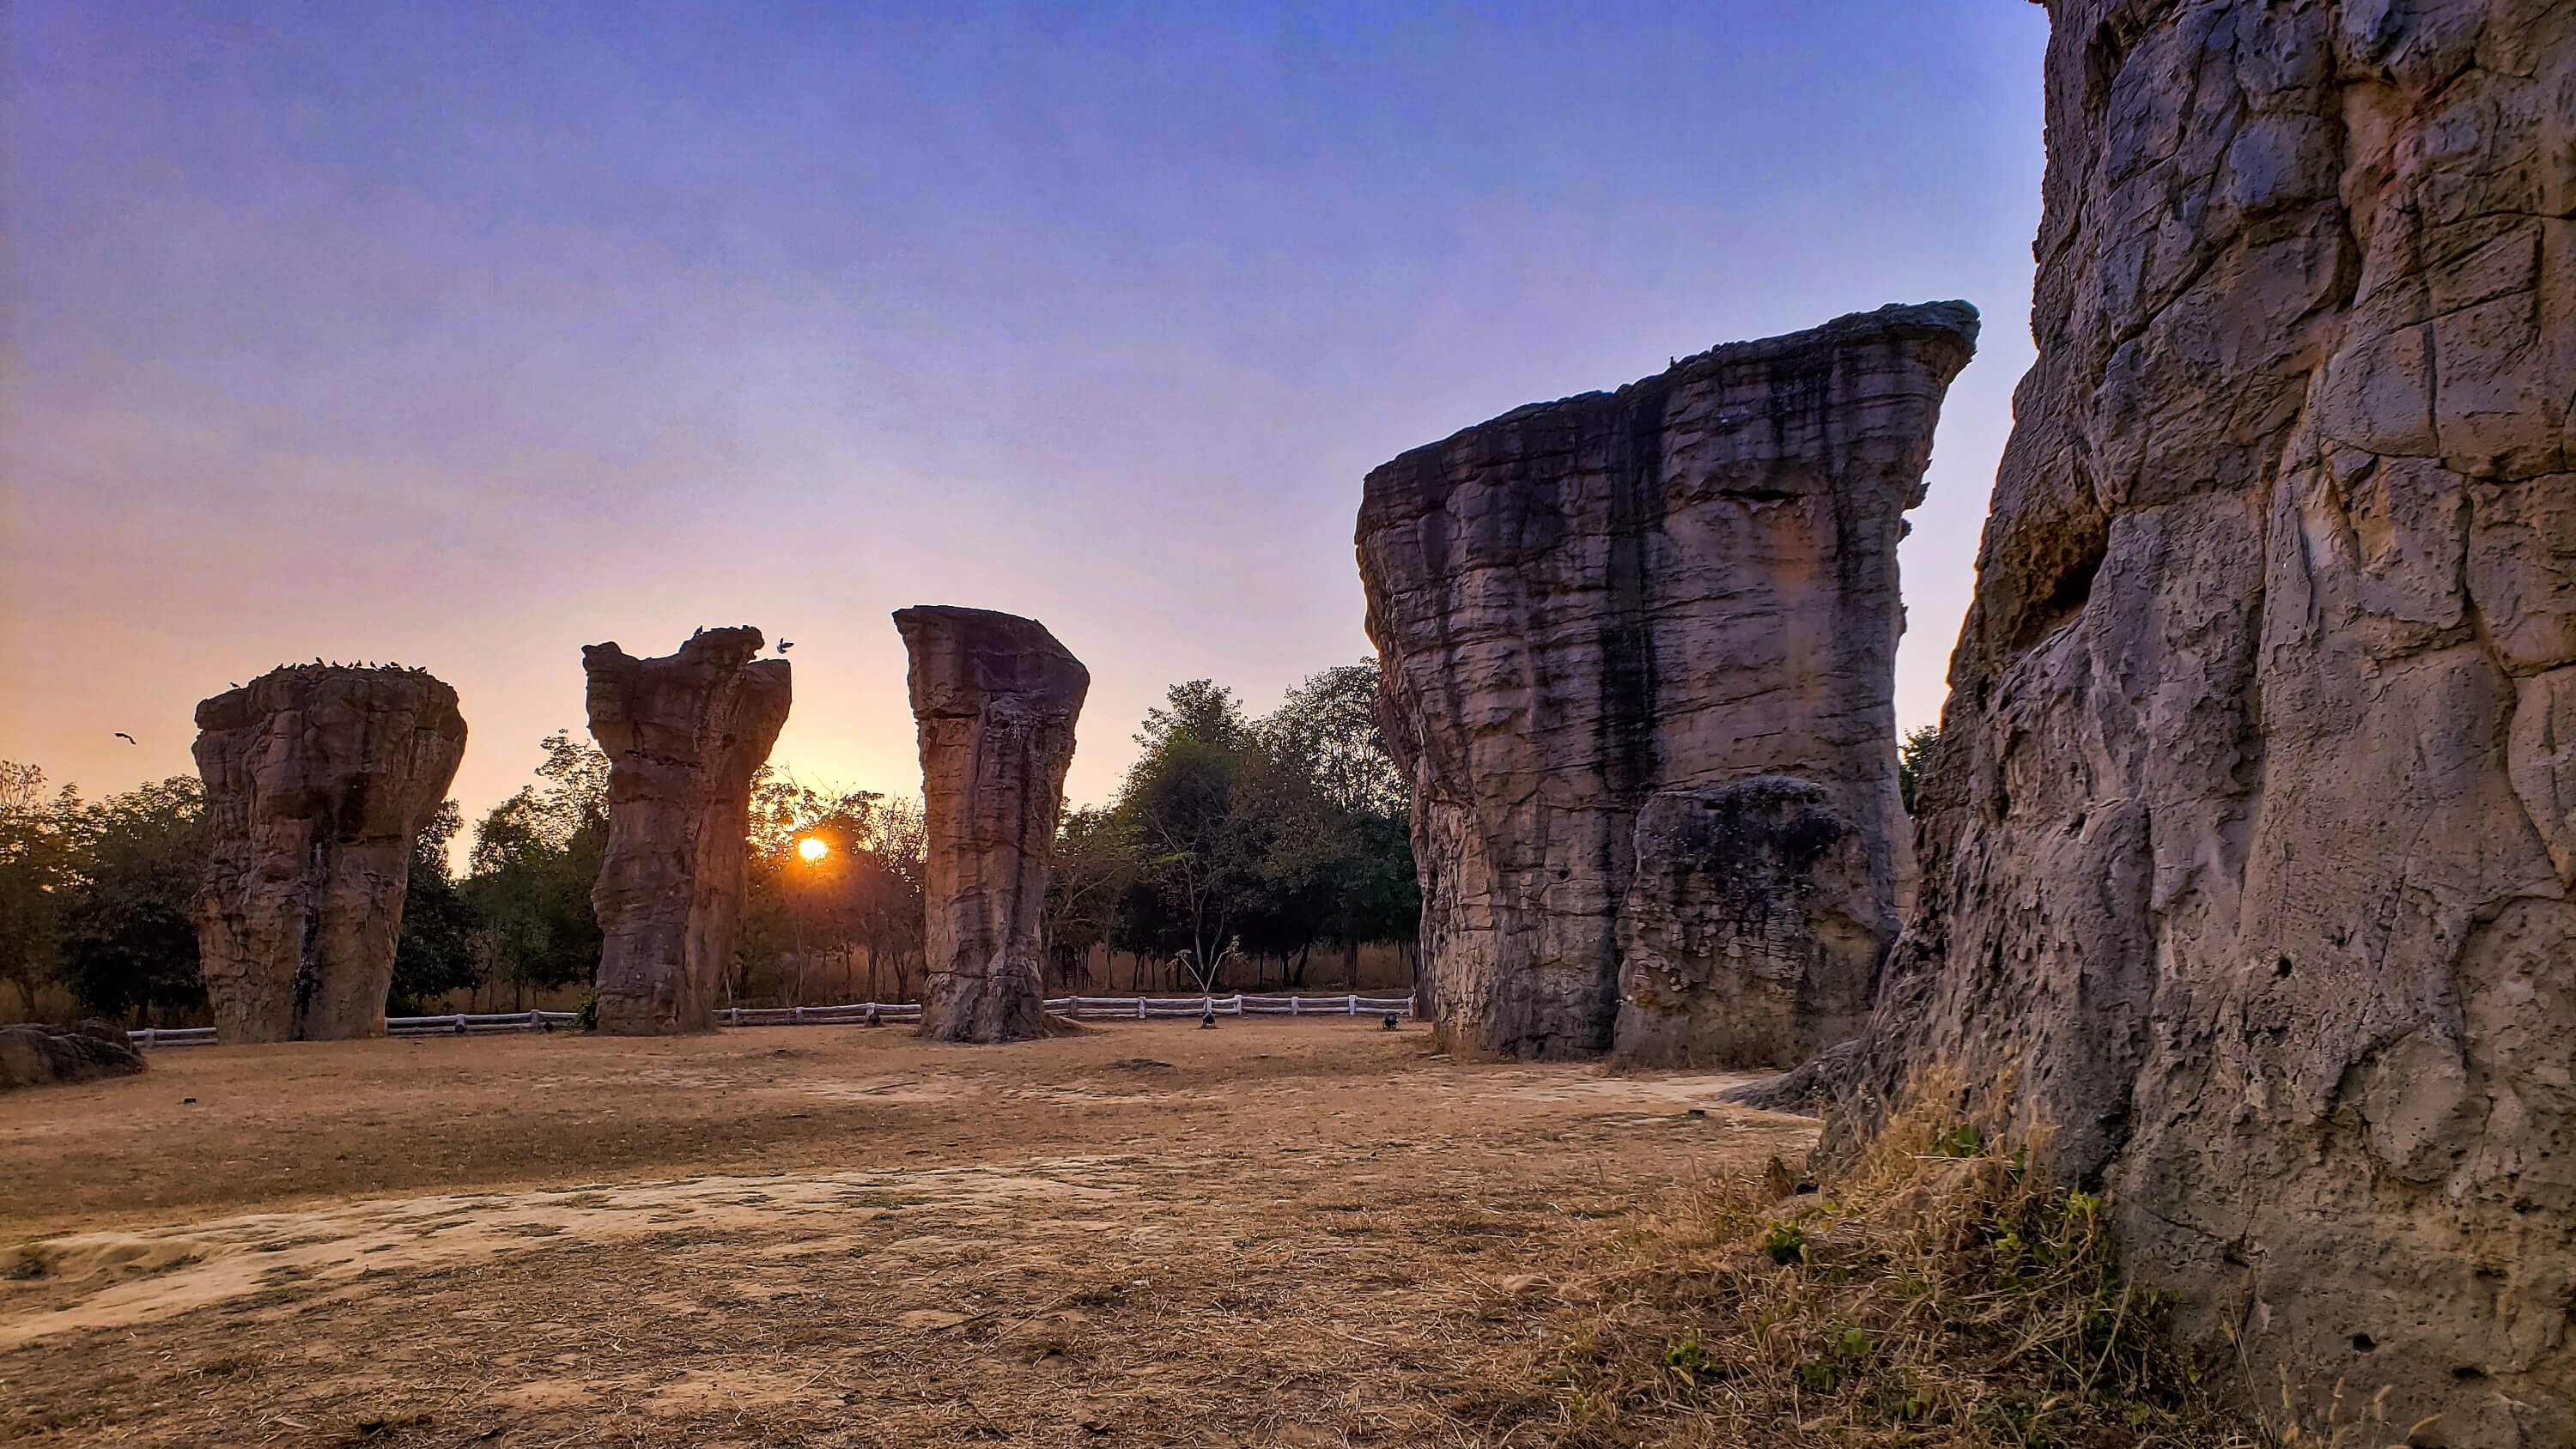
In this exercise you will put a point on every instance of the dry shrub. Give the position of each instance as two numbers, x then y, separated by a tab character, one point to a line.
2345	1425
1940	1290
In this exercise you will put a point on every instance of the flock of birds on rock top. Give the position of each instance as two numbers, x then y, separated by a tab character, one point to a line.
783	646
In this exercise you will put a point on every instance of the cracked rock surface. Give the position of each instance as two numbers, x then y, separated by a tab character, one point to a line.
317	778
1597	618
2249	850
683	734
994	697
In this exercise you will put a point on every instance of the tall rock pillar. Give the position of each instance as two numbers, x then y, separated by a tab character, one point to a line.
684	734
1639	662
995	698
317	779
2250	852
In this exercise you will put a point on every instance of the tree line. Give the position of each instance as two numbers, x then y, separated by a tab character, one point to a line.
1235	848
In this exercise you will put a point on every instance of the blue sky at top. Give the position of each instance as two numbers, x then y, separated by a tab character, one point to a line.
466	335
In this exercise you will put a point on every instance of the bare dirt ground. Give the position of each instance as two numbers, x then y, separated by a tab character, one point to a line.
1294	1233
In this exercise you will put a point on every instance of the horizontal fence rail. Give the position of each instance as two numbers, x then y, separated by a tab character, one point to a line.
171	1036
466	1024
1239	1004
863	1013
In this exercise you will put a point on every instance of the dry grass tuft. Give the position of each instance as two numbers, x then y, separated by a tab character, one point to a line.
2344	1425
1941	1291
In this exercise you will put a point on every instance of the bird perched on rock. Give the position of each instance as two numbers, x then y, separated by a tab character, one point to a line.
129	739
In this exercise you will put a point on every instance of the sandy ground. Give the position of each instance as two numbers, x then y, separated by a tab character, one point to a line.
1296	1233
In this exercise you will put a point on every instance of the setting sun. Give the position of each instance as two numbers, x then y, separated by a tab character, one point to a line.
813	848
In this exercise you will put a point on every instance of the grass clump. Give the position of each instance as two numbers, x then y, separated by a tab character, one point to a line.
1942	1292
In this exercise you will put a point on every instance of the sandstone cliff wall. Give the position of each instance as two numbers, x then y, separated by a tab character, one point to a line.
2249	850
684	734
1686	585
994	697
317	778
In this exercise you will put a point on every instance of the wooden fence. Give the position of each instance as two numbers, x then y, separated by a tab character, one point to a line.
864	1013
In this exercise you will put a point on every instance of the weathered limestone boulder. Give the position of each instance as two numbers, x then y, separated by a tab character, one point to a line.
683	734
2247	856
36	1056
317	778
1686	586
1753	927
995	697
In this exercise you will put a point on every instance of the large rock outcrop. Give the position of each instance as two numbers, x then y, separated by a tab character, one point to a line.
1639	662
2248	853
995	698
317	778
41	1055
683	734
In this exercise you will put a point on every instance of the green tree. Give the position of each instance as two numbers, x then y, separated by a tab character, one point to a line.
536	856
1234	837
859	898
34	873
1914	756
1196	851
1089	874
435	953
1337	861
128	936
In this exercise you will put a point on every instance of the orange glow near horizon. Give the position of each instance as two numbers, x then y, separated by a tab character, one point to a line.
813	848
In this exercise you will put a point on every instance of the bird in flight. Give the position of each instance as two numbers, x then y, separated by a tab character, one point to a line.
129	739
786	644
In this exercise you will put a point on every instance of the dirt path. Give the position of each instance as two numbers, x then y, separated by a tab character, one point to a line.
1273	1233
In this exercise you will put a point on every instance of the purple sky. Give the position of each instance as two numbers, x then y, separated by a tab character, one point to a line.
467	335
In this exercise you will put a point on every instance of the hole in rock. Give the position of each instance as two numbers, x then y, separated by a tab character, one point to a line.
2363	1343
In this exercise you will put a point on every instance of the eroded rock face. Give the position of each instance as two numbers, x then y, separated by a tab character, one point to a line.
317	778
1685	586
995	698
683	734
1752	929
39	1055
2248	851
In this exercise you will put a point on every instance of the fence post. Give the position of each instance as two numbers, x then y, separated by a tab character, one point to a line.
1140	1008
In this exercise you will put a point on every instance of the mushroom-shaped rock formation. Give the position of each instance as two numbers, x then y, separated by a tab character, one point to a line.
1689	586
995	698
317	778
2250	846
683	734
